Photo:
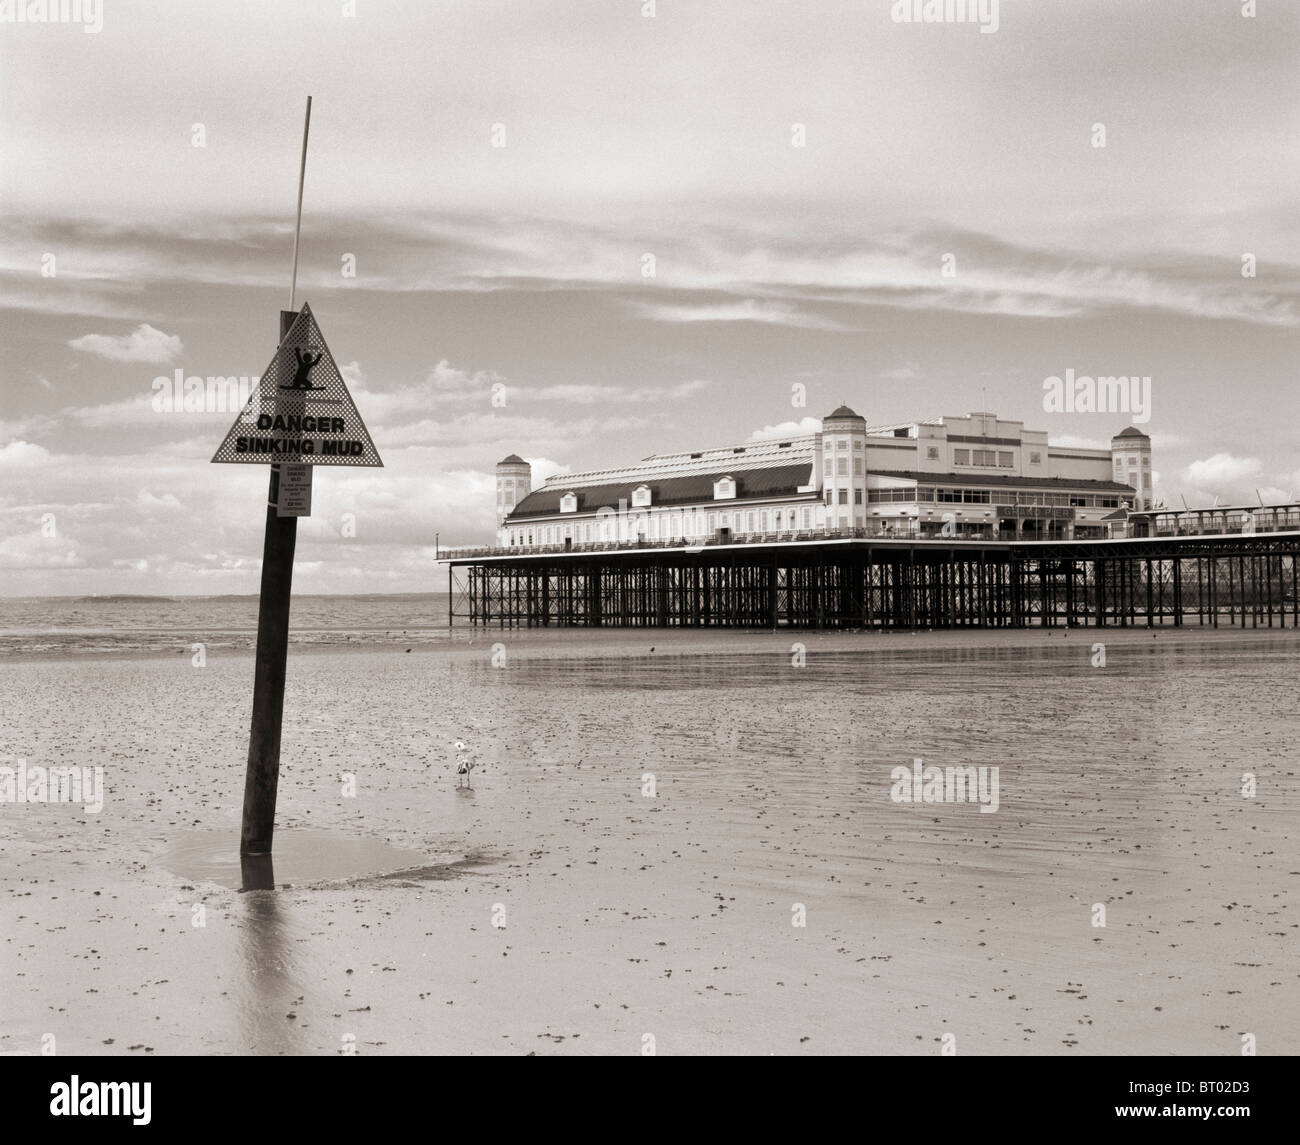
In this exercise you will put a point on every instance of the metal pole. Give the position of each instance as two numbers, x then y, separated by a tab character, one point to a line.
262	776
302	175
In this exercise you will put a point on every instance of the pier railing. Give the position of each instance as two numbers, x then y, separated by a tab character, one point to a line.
711	541
929	531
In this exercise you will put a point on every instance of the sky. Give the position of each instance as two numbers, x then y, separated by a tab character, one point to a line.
591	230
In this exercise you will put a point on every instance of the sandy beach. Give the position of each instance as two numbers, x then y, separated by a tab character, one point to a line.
556	908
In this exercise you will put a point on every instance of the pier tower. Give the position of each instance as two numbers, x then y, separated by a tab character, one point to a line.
842	445
1130	451
514	483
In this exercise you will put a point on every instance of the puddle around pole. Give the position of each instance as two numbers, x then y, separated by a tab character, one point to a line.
300	857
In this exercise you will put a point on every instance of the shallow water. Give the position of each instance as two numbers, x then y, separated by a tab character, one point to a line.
94	625
556	907
300	856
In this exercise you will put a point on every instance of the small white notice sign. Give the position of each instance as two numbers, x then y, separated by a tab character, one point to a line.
294	497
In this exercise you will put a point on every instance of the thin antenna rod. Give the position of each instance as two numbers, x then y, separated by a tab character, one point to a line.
297	229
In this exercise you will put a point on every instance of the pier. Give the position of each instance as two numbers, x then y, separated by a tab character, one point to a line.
1214	580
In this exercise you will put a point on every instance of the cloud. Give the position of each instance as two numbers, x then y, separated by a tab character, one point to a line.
800	428
445	376
779	272
34	551
544	469
19	455
144	344
589	394
1223	471
742	310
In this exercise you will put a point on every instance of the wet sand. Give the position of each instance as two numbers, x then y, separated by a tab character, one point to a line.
671	916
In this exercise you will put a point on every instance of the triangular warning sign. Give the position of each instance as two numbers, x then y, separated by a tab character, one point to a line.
301	412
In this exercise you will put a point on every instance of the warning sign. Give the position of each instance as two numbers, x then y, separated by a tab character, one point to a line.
293	498
301	412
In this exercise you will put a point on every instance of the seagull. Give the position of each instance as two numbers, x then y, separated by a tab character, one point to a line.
464	763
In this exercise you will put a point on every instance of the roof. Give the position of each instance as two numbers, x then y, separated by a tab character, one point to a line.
661	467
975	480
513	459
751	484
1118	515
844	411
1131	431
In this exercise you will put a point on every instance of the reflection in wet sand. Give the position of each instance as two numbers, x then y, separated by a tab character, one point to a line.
265	1010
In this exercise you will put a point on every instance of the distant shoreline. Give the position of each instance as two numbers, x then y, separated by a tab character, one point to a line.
570	643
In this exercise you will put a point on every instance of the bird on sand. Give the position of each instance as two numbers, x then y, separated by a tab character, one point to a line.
464	761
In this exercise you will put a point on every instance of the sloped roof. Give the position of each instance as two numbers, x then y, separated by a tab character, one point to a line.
844	411
513	459
751	484
1131	431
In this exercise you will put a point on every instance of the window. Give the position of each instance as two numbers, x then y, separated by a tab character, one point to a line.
882	495
641	495
1035	459
961	456
857	496
830	496
1146	463
841	467
932	453
857	467
569	503
844	496
724	488
1006	460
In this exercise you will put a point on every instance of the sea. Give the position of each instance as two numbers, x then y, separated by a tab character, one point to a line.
97	625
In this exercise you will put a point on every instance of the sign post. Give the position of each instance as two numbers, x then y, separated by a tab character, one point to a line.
300	416
262	777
